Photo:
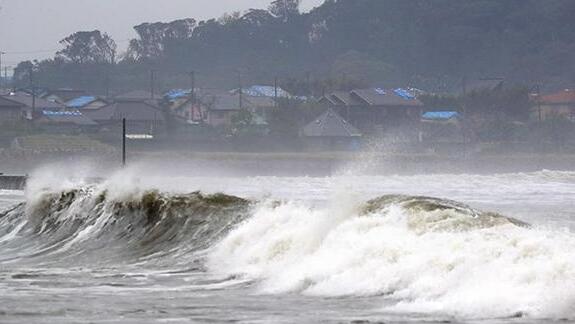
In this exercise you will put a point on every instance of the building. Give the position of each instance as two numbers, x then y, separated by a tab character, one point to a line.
330	131
138	95
65	122
441	126
86	103
34	104
221	107
63	95
558	104
141	117
11	111
376	110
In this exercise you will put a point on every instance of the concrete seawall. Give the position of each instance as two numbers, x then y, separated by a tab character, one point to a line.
12	182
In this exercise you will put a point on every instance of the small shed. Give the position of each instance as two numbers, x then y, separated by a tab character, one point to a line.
330	131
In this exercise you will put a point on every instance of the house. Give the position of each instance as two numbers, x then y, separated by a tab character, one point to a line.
86	103
222	106
142	117
34	104
63	95
65	122
264	91
330	131
441	126
477	85
138	95
11	111
263	98
558	104
375	110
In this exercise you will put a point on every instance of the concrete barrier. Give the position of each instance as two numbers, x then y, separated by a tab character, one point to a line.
12	182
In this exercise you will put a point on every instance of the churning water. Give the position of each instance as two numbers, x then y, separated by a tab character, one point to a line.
496	248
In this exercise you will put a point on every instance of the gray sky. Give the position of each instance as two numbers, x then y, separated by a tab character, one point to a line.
31	29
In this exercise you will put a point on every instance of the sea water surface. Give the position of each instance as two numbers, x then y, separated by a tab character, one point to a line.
342	249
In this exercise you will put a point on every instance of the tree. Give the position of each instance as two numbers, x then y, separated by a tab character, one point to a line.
284	8
154	37
88	47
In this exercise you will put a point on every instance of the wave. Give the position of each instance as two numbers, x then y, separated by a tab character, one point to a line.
421	254
90	223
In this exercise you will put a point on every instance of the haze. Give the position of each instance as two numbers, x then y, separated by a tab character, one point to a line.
31	29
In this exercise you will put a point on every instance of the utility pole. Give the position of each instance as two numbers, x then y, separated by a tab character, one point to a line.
33	88
107	84
123	142
1	81
152	84
276	92
240	87
193	85
538	89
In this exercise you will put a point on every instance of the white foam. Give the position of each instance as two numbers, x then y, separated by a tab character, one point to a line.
483	273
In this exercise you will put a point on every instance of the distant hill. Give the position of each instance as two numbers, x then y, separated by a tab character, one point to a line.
427	44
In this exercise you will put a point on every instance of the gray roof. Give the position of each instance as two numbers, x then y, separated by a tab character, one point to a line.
65	94
39	102
330	124
381	97
483	84
137	95
343	98
131	110
6	102
225	101
66	117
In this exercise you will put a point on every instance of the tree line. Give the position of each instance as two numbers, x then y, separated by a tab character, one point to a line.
338	45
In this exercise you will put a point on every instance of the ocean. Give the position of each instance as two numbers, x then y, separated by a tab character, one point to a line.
348	248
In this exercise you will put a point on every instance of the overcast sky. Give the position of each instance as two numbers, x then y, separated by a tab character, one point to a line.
32	28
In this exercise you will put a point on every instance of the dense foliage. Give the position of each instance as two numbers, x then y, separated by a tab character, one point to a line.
427	44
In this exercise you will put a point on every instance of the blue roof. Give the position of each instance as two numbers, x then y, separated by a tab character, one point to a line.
80	101
264	91
61	113
178	93
440	115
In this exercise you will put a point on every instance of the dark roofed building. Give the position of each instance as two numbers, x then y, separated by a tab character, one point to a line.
482	85
10	111
376	110
37	104
142	117
86	102
63	95
331	131
137	95
65	122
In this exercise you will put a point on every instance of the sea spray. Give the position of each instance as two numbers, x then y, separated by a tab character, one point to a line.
423	254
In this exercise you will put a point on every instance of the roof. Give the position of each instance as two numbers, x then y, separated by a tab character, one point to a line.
330	124
39	102
386	97
566	96
66	94
261	101
137	95
483	84
225	101
7	102
344	98
72	117
440	115
81	101
264	91
175	94
131	110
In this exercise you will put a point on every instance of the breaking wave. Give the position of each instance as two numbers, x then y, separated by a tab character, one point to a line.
420	254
